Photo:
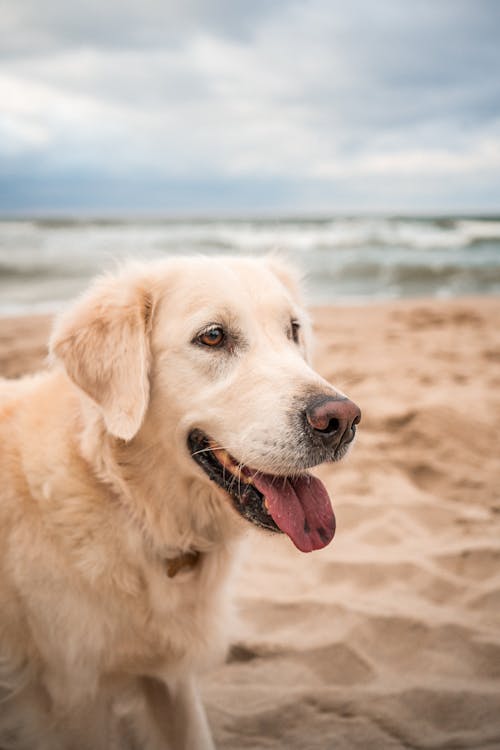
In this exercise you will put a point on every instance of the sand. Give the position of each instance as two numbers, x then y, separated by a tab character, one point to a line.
390	637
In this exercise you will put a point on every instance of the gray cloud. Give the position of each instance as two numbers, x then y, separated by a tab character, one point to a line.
333	98
33	28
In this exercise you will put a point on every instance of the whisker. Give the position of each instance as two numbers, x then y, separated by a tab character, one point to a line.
236	471
209	450
256	472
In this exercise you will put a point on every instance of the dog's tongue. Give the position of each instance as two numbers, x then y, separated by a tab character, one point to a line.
300	507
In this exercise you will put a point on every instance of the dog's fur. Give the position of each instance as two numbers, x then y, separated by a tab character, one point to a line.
99	647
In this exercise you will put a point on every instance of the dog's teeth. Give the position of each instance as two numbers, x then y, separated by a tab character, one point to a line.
243	478
224	458
222	455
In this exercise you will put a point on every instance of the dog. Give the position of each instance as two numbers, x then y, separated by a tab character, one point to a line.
179	411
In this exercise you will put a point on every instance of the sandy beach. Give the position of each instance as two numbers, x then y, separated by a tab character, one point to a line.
390	637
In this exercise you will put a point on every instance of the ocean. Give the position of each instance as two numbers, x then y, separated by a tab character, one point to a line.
45	262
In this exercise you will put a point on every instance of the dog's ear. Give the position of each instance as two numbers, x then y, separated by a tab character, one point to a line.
103	344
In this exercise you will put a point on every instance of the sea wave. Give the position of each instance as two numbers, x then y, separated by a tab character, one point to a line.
299	233
46	261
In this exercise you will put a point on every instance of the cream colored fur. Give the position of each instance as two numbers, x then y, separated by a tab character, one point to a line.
99	648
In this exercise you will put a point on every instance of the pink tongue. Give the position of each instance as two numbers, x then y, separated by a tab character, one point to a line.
300	507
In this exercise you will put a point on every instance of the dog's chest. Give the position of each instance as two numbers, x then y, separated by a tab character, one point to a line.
176	618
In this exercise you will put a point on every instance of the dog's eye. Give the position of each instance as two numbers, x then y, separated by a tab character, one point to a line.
214	336
294	329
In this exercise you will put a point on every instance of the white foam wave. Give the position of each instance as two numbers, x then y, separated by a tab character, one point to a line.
42	262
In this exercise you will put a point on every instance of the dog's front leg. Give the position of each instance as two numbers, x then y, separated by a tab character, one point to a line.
178	715
191	726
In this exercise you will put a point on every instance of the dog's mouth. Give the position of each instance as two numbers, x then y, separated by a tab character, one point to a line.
298	506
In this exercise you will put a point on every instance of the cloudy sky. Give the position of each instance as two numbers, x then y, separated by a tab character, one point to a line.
251	106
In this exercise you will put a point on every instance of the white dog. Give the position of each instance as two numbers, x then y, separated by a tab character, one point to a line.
180	410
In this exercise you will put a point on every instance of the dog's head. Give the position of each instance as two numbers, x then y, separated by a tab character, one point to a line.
209	357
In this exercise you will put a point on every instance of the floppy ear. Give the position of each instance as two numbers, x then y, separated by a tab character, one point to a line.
102	342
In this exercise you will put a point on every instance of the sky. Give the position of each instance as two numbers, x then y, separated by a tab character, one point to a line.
229	107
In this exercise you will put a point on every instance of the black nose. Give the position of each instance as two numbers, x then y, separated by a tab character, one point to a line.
333	419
